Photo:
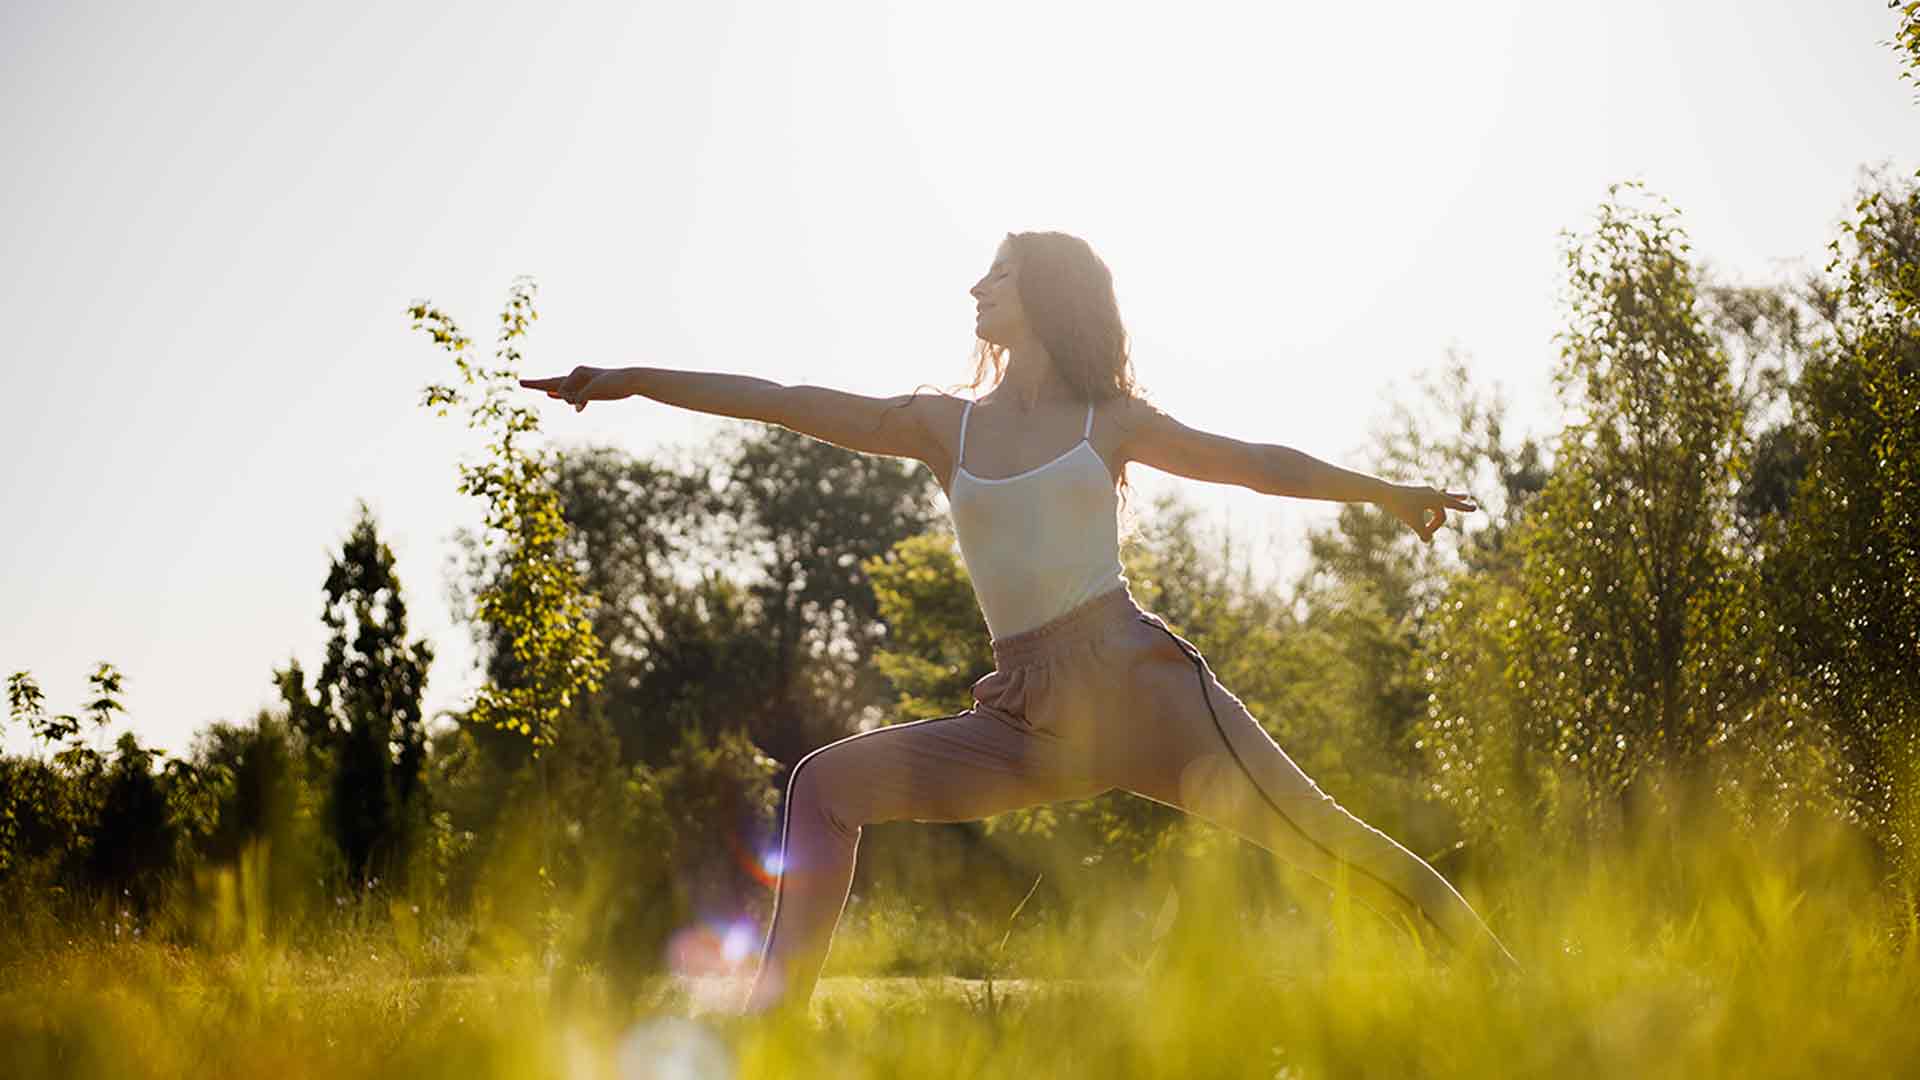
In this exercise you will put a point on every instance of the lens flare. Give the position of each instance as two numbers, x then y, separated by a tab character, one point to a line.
712	947
764	869
737	943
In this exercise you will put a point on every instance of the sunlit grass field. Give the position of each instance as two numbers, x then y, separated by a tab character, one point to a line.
1710	953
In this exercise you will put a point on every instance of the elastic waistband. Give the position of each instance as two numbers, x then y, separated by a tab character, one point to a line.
1084	622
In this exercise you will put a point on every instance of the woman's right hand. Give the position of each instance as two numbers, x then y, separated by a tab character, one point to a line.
582	385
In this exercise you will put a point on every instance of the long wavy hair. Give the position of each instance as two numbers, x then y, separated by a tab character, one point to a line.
1067	293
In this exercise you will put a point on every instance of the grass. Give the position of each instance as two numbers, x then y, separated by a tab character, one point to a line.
1722	955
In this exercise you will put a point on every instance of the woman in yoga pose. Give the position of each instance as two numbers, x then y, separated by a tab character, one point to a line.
1089	693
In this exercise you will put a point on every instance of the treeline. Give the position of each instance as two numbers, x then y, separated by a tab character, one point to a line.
1699	598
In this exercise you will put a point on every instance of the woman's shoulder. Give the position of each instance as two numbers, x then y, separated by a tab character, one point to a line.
935	402
1130	413
1119	423
937	411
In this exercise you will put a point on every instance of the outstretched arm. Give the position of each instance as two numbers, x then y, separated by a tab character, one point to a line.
1154	438
896	426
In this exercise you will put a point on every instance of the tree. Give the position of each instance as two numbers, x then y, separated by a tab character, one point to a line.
1373	595
1850	562
1767	334
729	585
133	842
88	826
1906	37
536	600
46	808
938	644
682	637
719	795
263	804
1624	643
50	808
364	725
811	514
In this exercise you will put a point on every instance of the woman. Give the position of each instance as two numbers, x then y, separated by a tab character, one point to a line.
1089	693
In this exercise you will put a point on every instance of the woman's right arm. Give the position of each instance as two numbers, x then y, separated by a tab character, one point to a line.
901	426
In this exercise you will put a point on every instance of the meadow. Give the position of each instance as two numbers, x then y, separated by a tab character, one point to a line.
1696	951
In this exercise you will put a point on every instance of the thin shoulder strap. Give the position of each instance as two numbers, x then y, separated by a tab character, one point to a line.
1088	434
960	455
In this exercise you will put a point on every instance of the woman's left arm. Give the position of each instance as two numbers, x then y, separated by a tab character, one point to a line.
1153	438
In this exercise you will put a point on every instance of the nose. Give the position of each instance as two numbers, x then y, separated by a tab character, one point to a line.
977	292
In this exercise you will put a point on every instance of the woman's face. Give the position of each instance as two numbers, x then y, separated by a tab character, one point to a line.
998	316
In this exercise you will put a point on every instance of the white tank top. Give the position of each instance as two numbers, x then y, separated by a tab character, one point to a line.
1040	543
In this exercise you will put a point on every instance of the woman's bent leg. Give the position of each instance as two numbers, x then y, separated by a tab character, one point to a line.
957	768
1234	774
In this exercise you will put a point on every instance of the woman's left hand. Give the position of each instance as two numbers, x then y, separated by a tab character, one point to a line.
1424	509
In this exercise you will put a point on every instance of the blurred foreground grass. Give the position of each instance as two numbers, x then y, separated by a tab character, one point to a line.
1727	954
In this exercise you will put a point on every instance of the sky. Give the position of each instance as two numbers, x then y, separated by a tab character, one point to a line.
214	216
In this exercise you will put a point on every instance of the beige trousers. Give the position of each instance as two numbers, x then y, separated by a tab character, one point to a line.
1104	697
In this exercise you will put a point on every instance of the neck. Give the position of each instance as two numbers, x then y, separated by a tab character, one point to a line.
1031	377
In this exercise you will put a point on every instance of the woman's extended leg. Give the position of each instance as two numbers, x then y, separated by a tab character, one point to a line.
1231	772
957	768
